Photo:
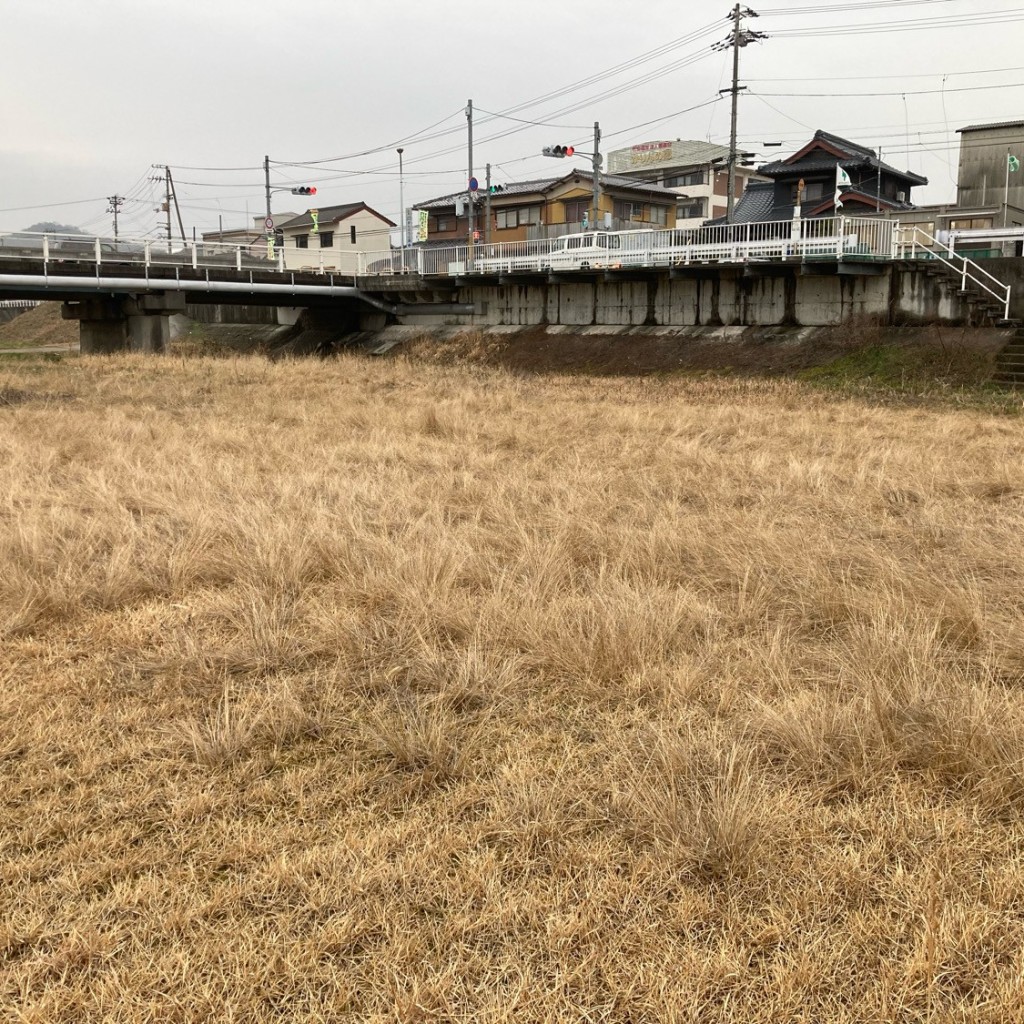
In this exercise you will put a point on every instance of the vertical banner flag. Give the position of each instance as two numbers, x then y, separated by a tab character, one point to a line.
270	247
842	178
1012	163
421	235
315	214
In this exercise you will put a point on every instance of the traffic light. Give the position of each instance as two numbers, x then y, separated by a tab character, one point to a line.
559	151
495	189
304	190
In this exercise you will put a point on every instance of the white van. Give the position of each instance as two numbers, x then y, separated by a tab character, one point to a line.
586	250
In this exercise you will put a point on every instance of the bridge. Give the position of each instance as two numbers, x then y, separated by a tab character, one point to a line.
123	291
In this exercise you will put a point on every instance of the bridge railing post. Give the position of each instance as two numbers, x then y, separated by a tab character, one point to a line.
280	260
195	255
147	252
96	247
46	249
238	257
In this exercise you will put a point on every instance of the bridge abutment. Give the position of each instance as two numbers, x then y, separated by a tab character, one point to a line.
141	323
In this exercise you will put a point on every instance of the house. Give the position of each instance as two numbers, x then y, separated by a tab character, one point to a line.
875	187
547	207
332	240
695	170
253	240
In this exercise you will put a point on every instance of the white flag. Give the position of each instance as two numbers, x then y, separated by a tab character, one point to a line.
842	178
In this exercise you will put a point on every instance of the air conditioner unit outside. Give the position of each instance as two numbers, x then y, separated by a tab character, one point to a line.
901	197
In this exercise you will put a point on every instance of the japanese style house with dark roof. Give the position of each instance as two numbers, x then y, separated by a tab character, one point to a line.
875	186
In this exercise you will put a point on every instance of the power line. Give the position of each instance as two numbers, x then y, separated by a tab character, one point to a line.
897	92
868	78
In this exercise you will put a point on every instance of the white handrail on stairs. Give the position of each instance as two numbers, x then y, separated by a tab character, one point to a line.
930	247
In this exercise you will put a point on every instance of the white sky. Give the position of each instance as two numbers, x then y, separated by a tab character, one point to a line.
94	92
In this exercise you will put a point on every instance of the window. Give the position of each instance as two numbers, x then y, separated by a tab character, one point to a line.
970	224
326	239
444	224
692	209
812	190
517	217
577	209
302	241
630	211
659	214
689	178
352	234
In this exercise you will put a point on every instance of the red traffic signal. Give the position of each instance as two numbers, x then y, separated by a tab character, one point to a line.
304	190
559	151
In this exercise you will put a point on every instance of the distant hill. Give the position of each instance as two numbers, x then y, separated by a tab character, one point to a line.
51	227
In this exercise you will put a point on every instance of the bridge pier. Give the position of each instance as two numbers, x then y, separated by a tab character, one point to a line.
141	323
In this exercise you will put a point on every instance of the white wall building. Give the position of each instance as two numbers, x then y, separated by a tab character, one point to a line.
696	170
333	241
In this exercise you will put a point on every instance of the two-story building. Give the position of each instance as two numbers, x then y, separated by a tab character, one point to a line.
546	207
252	240
333	240
696	171
874	187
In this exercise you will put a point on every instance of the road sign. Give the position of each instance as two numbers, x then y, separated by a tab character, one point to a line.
473	184
269	223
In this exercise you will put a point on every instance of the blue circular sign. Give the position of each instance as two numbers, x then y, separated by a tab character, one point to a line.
473	184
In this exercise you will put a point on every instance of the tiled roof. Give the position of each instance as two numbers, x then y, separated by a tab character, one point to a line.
859	156
758	203
539	186
997	124
512	188
331	215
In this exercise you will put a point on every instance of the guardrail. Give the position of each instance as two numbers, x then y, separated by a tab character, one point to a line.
59	248
836	238
914	243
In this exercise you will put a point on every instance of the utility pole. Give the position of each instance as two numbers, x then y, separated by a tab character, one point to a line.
177	209
401	200
738	37
487	208
266	179
472	225
878	188
116	202
165	207
596	165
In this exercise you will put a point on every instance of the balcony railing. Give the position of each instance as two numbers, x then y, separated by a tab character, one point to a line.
829	238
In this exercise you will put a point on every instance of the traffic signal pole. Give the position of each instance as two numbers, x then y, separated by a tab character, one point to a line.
266	179
597	176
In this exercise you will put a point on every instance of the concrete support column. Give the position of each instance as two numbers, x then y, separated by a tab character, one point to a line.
137	324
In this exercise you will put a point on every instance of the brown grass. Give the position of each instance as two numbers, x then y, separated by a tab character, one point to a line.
380	691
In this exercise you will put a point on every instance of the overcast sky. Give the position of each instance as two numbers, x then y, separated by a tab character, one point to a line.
94	92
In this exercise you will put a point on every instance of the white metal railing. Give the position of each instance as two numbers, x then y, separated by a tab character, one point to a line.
50	248
914	243
835	238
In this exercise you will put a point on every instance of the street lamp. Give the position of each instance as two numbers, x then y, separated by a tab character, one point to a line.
401	197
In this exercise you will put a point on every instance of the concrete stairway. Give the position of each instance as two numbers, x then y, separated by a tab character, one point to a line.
982	309
1010	362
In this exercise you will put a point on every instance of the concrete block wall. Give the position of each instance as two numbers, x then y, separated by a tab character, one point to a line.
707	300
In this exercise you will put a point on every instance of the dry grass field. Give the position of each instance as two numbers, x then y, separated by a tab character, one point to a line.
375	691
